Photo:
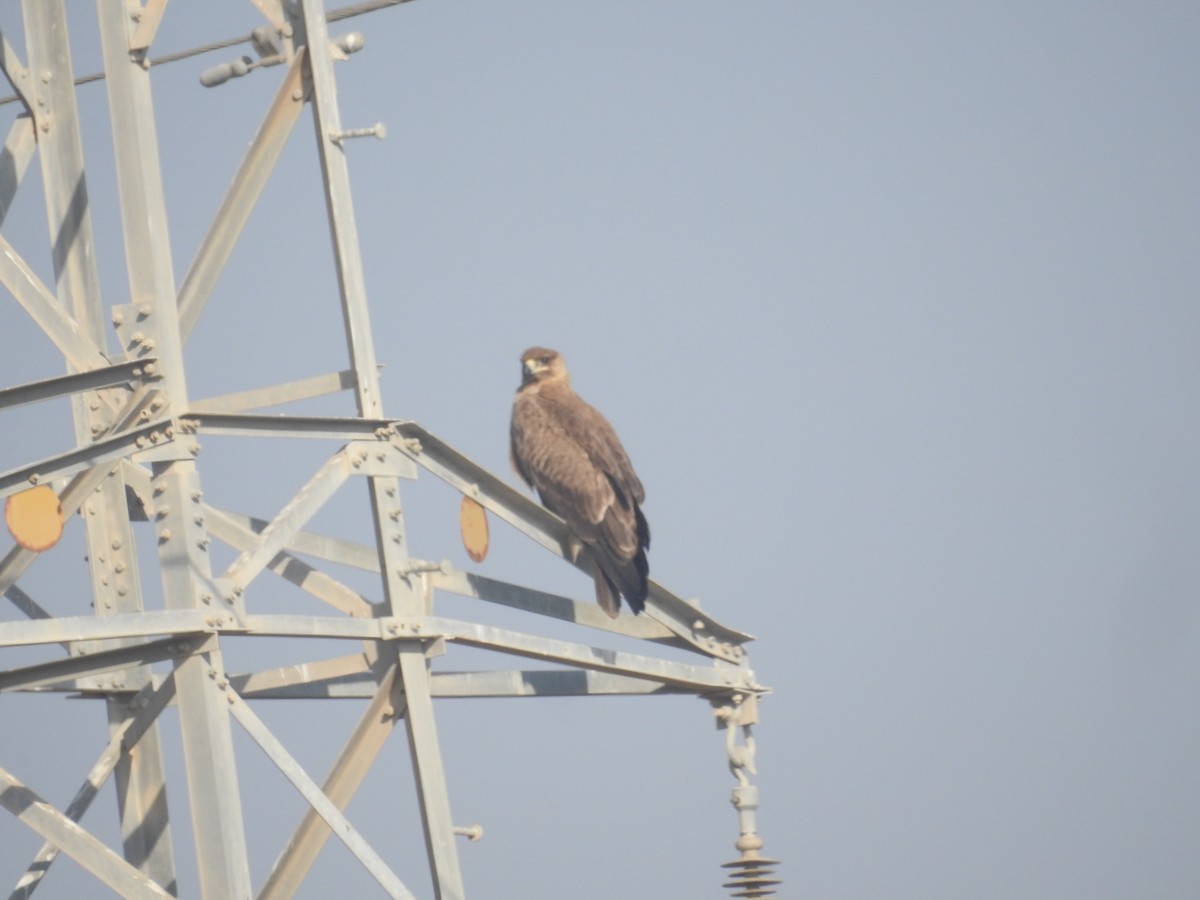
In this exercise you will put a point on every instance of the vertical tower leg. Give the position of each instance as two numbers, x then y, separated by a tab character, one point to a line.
203	710
141	790
402	598
430	775
182	540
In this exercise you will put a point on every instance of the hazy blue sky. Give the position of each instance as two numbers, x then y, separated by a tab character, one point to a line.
897	310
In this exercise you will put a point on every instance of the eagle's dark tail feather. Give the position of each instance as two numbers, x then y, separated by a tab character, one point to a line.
615	573
617	578
606	594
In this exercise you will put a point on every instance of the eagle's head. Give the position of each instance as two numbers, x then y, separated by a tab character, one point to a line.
540	364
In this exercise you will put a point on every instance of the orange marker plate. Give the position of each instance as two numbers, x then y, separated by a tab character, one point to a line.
472	519
34	518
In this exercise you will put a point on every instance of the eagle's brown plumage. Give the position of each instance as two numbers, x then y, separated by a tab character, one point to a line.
571	456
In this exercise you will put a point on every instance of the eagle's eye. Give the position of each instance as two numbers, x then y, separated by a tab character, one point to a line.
545	360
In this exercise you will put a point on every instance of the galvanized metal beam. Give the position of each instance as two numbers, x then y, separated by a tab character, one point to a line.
116	659
86	457
319	546
584	656
148	21
210	762
343	228
314	626
277	394
307	502
16	72
220	836
78	844
140	712
309	579
100	628
14	160
402	628
61	154
241	197
57	324
144	220
429	773
340	786
251	425
321	804
358	682
116	375
587	613
314	678
27	604
571	682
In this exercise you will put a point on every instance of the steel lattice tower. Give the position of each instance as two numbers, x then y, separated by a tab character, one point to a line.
135	475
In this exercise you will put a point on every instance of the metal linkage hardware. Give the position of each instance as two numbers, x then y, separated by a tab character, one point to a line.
272	52
751	875
378	130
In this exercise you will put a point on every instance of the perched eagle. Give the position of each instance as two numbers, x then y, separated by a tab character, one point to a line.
571	456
